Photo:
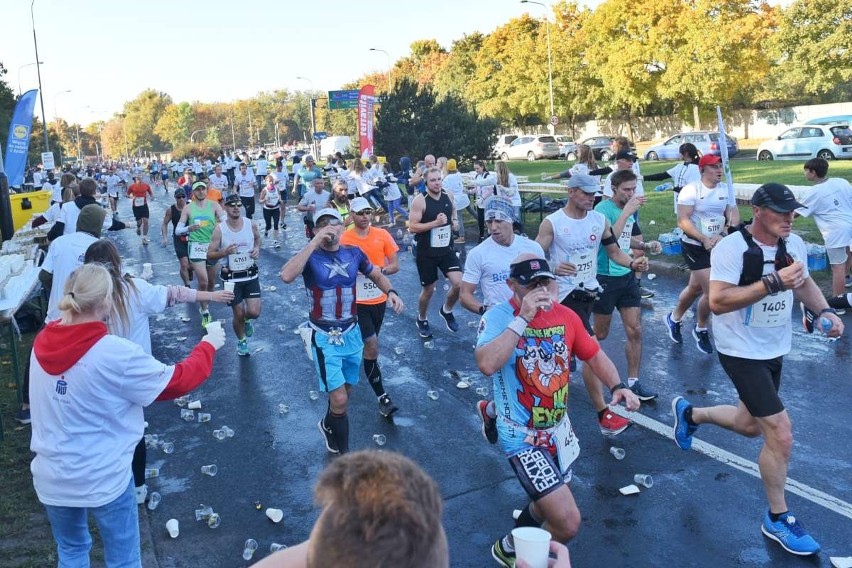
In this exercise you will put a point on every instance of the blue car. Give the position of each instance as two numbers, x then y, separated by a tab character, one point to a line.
706	143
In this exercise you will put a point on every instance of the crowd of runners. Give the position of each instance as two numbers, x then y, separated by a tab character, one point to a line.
544	304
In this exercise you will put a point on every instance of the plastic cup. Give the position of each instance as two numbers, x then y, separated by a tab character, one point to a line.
275	547
203	513
228	431
313	395
229	286
210	470
173	526
429	345
152	472
213	521
532	545
283	409
644	480
219	435
249	548
432	394
194	405
399	349
204	417
482	391
182	400
617	453
274	515
214	325
187	414
379	439
153	500
168	447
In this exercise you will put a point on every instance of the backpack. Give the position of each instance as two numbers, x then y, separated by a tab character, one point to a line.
753	257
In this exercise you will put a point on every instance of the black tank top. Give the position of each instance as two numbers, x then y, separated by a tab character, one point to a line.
175	218
441	234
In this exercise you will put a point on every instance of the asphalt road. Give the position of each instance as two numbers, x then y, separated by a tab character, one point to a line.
703	510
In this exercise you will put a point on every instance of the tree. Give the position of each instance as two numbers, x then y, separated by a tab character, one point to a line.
175	124
140	120
459	66
7	107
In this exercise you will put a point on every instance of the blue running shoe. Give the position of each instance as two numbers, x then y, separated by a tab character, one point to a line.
683	430
249	327
790	534
242	347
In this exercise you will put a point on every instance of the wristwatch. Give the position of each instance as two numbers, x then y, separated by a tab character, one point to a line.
618	386
828	311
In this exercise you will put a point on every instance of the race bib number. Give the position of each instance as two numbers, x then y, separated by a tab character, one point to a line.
198	250
440	236
772	311
138	201
624	239
711	226
567	445
585	263
366	289
239	261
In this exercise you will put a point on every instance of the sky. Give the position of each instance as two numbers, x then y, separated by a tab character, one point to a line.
108	51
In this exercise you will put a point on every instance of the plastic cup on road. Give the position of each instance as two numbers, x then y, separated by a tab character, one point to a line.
249	548
617	453
187	414
229	286
283	409
210	470
153	500
274	515
182	400
228	431
203	513
532	545
219	435
204	417
275	547
482	391
168	447
432	394
173	526
313	395
152	472
214	520
194	405
429	345
379	439
644	480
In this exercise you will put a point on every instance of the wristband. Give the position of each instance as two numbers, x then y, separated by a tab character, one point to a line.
392	291
828	311
617	387
517	326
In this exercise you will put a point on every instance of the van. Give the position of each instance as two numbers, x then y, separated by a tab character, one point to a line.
502	144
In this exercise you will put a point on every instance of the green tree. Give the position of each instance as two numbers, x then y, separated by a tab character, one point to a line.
175	124
7	106
459	66
140	120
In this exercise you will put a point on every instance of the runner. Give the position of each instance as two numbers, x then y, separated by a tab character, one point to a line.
172	216
432	220
245	183
572	237
218	181
237	240
139	191
112	182
340	202
269	201
201	216
381	250
330	274
526	344
312	202
281	179
755	274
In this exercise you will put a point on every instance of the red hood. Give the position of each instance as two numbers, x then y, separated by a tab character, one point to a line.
58	347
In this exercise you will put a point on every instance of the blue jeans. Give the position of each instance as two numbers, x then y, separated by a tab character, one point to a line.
394	206
118	523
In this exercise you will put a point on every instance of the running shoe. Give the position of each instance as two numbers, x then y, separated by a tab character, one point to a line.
242	347
206	319
683	430
702	341
612	424
423	328
642	393
449	319
330	443
248	327
645	293
501	555
145	240
386	406
489	425
790	534
808	318
674	329
23	416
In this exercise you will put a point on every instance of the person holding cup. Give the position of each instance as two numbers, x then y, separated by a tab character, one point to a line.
526	344
237	241
88	390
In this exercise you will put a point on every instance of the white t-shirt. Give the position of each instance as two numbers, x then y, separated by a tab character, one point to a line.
37	179
830	204
63	257
510	192
245	183
576	241
52	213
317	199
84	433
392	192
261	167
487	266
708	213
55	190
683	174
219	182
148	300
763	330
607	190
281	179
453	184
112	182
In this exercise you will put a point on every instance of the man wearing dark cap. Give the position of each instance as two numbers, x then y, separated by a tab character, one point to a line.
755	275
330	271
172	216
526	345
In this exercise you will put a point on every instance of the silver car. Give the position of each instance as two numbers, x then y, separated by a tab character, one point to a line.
532	148
806	141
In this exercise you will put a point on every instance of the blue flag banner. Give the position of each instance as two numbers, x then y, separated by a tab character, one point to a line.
723	148
18	143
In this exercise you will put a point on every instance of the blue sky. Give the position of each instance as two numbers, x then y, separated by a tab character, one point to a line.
107	51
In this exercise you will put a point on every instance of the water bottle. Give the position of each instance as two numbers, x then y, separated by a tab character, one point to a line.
664	187
825	324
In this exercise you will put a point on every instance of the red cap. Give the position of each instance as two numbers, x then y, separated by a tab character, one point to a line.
709	160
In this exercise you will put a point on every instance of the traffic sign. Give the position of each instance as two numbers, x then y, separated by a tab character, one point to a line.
554	120
320	135
343	99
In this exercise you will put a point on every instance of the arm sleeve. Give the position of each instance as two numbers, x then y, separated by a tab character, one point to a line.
658	177
601	171
190	372
56	231
181	295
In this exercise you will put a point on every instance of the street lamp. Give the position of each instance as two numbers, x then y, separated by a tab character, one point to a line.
56	121
390	68
19	74
550	125
313	118
38	70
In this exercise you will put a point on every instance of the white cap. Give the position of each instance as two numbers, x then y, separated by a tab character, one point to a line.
328	212
359	204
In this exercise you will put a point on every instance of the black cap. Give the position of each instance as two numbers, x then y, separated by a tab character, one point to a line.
179	192
624	155
233	199
777	197
526	271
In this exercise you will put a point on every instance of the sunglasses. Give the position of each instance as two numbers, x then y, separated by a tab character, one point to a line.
538	282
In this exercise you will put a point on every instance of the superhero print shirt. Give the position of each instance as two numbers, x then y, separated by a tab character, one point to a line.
330	283
531	390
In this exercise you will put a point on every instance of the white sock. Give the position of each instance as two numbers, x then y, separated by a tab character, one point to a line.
491	409
632	381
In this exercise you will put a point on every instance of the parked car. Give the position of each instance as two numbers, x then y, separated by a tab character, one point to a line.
845	119
806	141
502	144
600	146
706	142
532	148
566	145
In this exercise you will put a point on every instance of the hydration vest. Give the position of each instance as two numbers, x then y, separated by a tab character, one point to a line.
753	257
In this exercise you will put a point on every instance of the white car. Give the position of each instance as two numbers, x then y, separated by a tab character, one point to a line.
532	148
566	146
806	141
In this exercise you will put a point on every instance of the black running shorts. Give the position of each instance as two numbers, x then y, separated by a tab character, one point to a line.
370	318
757	383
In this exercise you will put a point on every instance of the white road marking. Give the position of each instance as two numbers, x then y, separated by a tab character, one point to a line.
797	488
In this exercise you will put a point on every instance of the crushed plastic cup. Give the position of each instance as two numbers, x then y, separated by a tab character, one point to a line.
214	520
182	401
651	276
204	417
152	472
228	431
283	409
313	395
379	439
399	349
173	526
153	500
219	435
472	323
194	405
210	470
275	547
617	453
644	480
203	513
249	548
532	545
429	344
151	440
482	391
463	384
274	515
433	394
187	414
168	447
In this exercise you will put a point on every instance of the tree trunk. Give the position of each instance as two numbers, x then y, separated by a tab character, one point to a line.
696	118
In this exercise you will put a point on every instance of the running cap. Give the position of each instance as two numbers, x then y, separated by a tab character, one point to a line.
585	182
179	192
624	155
709	160
233	199
777	197
199	185
526	271
327	212
359	204
500	209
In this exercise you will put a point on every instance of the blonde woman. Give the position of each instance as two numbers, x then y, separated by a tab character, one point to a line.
507	187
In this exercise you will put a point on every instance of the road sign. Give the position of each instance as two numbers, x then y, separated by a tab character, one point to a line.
554	120
343	99
320	135
47	161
